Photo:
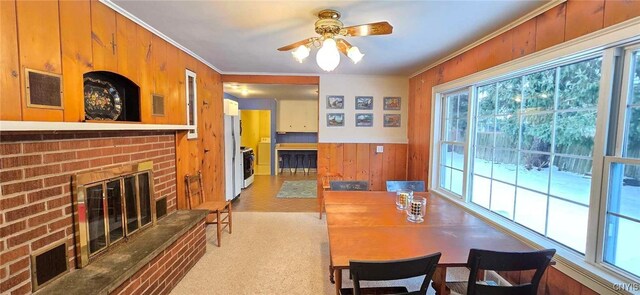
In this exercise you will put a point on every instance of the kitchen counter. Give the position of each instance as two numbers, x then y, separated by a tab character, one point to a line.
292	147
297	146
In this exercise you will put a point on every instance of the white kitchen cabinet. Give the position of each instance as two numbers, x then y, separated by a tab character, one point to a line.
297	116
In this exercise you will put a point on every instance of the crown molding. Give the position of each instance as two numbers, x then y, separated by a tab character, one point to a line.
153	30
540	10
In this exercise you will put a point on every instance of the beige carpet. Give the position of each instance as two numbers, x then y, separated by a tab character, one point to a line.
268	253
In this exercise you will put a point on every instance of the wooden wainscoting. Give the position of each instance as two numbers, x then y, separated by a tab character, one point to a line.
359	161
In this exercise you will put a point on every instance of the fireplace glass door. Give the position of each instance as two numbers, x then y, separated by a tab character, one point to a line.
95	218
131	204
114	211
145	203
116	208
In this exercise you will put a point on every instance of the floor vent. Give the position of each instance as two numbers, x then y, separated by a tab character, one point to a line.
49	264
161	207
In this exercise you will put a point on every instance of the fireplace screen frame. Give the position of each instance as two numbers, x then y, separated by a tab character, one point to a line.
84	181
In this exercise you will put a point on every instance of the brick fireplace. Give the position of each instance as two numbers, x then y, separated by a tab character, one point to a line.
36	201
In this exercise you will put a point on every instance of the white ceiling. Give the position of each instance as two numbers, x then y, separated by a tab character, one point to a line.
276	91
242	36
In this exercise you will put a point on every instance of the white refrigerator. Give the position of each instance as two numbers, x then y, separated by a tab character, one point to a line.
233	161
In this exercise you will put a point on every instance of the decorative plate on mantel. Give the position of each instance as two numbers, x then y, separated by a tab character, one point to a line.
101	100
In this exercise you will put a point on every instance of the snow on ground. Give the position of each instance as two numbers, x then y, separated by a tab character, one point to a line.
518	202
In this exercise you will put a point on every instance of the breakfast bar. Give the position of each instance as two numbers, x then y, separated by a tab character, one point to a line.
288	147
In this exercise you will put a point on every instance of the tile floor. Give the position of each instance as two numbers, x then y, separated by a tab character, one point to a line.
261	195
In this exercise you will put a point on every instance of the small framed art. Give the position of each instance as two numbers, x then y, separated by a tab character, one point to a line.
392	103
392	120
364	120
335	119
364	102
335	102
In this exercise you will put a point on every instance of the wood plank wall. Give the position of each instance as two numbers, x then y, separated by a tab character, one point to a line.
75	37
359	161
564	22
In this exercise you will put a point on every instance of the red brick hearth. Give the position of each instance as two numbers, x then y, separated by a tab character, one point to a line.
36	202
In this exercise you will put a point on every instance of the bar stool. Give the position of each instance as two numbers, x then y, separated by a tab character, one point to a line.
311	162
285	158
299	158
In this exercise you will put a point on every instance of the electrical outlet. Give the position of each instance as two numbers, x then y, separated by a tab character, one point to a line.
379	149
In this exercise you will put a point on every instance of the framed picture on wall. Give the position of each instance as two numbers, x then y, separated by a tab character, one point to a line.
364	102
392	103
335	102
364	120
392	120
335	120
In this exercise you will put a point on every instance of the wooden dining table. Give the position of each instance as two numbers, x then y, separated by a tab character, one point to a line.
367	226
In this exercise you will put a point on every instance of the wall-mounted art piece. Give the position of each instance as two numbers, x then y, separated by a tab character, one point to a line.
364	102
335	120
392	103
335	102
364	120
392	120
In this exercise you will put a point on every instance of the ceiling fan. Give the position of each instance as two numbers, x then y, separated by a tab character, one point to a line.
331	43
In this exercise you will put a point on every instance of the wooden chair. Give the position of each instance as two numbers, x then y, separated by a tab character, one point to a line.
395	185
197	201
349	185
326	180
391	270
502	261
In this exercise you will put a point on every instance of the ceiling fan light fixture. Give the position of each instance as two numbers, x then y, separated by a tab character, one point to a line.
301	53
244	92
328	57
354	54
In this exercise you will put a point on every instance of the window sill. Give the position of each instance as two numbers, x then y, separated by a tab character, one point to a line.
596	277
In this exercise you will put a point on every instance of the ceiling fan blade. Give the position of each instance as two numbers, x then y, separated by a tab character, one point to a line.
343	46
379	28
296	44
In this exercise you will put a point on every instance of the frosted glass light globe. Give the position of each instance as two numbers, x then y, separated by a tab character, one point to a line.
301	53
328	56
354	54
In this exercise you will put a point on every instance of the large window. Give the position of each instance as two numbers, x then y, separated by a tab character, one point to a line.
533	144
549	148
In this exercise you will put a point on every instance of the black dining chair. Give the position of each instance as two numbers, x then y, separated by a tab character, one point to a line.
343	185
391	270
487	260
396	185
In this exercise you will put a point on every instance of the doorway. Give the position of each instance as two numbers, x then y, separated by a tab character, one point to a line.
280	129
256	135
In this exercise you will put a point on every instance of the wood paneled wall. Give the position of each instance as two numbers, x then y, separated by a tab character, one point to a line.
359	161
75	37
564	22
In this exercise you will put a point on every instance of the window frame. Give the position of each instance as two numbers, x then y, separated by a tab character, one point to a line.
464	143
617	153
588	268
192	133
522	113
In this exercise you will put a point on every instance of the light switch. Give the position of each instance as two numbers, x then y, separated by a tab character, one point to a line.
379	149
